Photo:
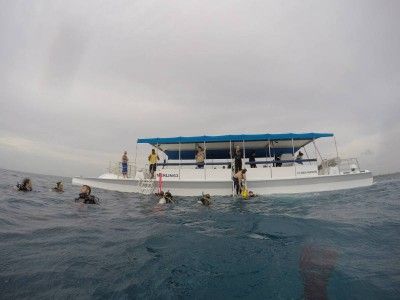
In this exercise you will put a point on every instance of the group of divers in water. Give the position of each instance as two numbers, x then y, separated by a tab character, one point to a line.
83	197
86	197
239	174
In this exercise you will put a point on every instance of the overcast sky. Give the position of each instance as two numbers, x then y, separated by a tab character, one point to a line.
80	81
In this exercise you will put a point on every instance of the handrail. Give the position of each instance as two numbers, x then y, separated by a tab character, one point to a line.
193	164
279	161
247	163
116	168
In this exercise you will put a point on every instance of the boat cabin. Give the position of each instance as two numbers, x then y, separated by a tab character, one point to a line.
265	156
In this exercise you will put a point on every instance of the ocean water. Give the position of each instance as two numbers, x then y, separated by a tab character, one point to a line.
339	245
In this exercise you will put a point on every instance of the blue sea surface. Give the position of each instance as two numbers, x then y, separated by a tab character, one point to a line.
340	245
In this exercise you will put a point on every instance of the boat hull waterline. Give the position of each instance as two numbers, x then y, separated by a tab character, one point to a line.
312	184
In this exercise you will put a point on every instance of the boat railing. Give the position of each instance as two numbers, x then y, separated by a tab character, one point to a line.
349	165
116	168
280	162
339	165
265	162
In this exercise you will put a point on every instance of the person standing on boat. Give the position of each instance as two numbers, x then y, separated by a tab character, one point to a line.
252	160
200	155
238	178
124	164
238	159
153	158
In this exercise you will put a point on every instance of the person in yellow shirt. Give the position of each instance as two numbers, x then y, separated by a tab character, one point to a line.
153	158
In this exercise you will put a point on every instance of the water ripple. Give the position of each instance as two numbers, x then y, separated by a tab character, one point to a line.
129	246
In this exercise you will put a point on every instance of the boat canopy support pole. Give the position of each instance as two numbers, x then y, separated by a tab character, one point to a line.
266	154
294	161
244	155
156	162
135	166
269	151
316	149
230	153
205	160
179	160
305	150
337	152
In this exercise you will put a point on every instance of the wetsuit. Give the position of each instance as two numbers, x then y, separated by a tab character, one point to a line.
205	201
87	199
168	197
238	161
252	159
23	188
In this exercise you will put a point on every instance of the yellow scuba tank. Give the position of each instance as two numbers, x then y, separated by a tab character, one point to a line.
245	193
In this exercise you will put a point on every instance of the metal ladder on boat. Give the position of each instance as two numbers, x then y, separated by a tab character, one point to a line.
146	185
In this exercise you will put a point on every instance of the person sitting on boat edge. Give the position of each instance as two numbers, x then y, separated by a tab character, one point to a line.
299	158
153	159
86	197
237	180
59	187
200	155
205	199
26	185
124	164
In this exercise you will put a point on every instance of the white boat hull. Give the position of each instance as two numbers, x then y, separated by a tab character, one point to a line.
318	183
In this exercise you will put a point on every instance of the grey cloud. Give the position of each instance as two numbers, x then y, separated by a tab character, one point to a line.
94	76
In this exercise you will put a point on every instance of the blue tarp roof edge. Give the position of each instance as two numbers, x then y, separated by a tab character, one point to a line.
233	138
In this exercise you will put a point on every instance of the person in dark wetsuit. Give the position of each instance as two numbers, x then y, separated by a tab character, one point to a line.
238	159
26	185
205	200
166	198
252	160
85	197
277	163
59	187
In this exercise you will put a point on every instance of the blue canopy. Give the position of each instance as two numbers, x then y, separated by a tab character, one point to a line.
233	138
219	146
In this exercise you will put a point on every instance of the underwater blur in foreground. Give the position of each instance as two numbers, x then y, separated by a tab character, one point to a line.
343	245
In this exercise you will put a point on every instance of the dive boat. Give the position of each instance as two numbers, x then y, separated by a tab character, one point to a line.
275	164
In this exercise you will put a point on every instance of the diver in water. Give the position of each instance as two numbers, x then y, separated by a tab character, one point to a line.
159	194
59	187
166	198
26	185
86	197
205	199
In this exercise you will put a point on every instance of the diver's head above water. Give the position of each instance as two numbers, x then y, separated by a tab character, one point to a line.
86	197
59	187
26	185
85	189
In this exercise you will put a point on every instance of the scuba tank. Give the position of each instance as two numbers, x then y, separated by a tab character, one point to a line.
245	192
